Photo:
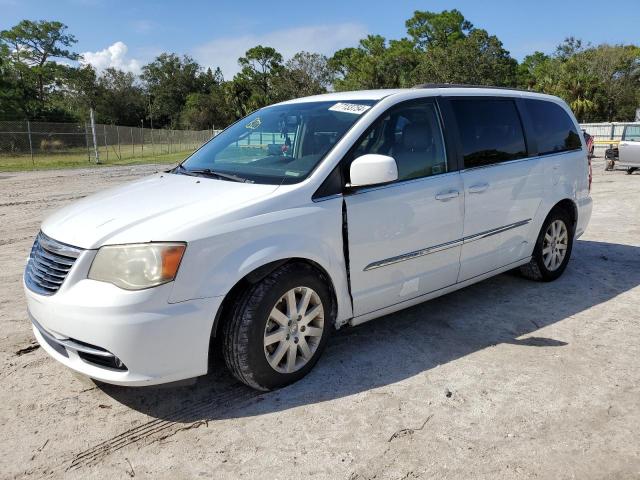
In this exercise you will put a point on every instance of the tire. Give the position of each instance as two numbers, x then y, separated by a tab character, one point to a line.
541	267
262	313
630	170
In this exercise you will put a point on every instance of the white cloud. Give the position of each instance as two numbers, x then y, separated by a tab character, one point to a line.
326	39
114	56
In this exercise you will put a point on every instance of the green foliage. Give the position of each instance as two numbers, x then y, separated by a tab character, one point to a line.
256	82
476	59
375	63
169	80
599	83
39	78
303	75
29	49
430	29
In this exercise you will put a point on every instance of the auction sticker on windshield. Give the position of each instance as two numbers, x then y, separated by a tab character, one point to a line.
253	124
350	108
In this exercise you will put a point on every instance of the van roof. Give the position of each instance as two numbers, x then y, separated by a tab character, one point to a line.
450	88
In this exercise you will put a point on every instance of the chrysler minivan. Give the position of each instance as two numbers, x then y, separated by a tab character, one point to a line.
304	217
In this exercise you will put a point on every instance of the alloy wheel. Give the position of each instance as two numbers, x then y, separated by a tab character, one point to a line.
555	244
294	330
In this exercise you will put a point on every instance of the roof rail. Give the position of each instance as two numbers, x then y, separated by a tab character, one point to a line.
462	85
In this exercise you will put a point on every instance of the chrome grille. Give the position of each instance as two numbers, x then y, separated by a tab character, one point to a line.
48	265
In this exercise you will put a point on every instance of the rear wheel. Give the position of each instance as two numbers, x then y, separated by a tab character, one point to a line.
279	327
553	248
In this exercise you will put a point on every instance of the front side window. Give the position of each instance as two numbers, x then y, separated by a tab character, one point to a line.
631	133
411	134
553	128
280	144
490	131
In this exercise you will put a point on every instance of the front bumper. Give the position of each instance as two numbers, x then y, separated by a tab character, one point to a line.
157	341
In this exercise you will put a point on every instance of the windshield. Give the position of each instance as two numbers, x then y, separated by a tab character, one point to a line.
281	144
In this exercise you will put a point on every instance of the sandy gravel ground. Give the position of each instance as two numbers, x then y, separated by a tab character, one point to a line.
505	379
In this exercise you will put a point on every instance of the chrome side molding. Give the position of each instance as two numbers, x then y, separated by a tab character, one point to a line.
444	246
411	255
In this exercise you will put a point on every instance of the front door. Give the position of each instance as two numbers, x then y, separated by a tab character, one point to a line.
404	238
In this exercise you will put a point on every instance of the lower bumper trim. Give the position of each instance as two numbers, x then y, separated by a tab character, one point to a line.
90	353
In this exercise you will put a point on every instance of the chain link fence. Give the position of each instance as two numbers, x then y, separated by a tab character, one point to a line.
38	145
31	145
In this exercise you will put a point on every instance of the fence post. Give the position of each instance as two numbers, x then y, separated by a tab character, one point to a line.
86	139
118	136
93	135
33	163
106	147
142	137
133	143
153	147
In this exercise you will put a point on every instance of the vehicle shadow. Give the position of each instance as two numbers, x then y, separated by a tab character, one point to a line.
396	347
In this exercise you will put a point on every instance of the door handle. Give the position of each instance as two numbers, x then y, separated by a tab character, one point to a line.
478	187
444	196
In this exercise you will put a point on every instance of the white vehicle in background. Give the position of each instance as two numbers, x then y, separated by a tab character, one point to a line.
629	149
303	217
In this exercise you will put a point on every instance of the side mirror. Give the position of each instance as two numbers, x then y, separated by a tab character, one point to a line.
373	169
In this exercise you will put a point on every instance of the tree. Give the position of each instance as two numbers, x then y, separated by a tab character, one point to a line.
11	94
477	59
618	69
210	109
211	79
32	47
599	83
255	83
536	72
375	63
431	29
122	100
303	75
40	79
168	80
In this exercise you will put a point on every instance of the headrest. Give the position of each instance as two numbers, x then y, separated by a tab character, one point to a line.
416	136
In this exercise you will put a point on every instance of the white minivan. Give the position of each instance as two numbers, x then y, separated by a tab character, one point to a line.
304	217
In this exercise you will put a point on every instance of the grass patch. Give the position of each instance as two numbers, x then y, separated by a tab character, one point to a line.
78	159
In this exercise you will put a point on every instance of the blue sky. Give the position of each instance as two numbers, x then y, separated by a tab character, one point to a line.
128	34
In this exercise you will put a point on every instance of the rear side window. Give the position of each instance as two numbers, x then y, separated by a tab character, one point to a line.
553	129
490	131
632	133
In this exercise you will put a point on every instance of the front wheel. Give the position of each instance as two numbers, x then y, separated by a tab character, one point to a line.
279	327
553	248
630	170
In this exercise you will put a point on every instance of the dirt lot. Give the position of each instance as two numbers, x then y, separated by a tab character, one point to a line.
504	379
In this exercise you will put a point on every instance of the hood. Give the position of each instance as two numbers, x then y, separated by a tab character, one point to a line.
156	208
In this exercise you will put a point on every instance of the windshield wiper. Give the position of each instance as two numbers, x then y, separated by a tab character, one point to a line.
207	172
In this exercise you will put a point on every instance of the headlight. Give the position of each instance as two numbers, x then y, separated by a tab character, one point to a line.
137	266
